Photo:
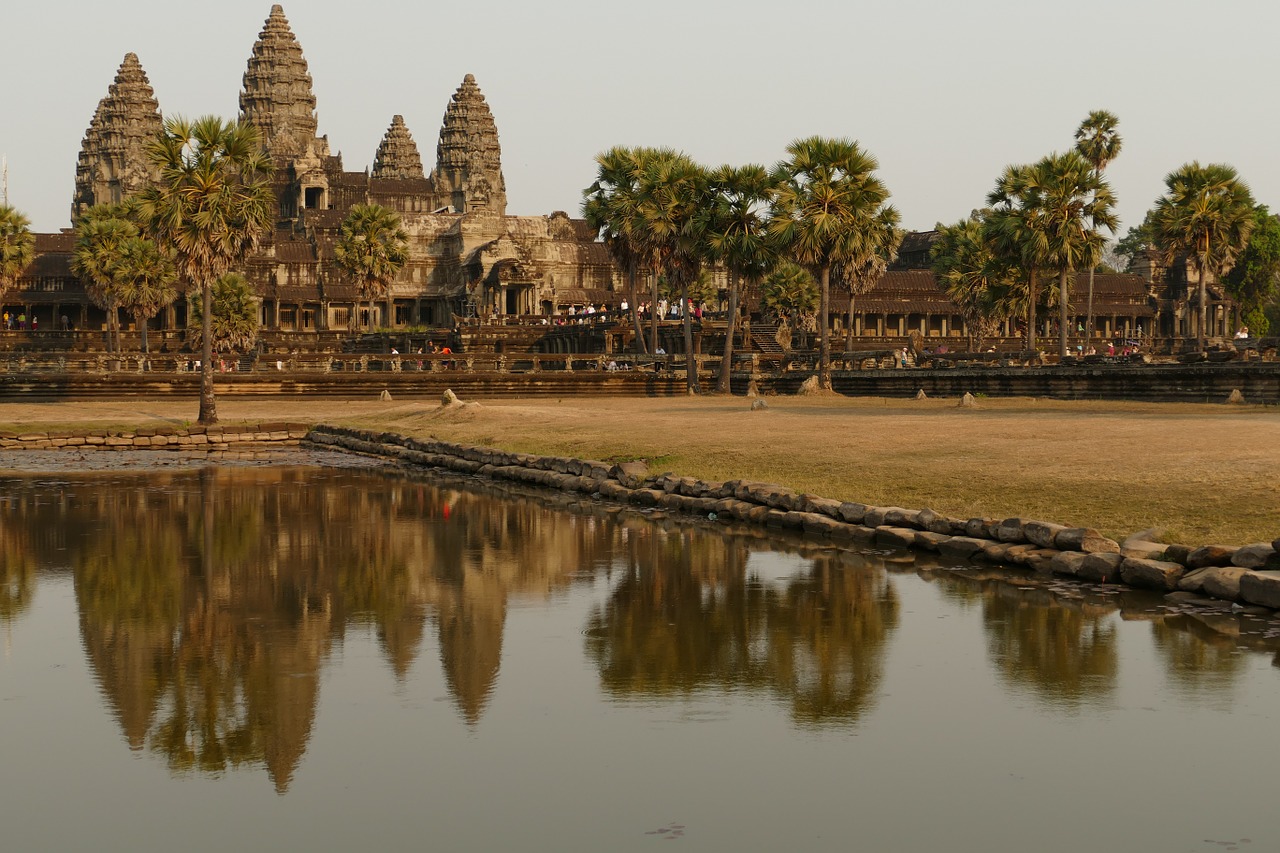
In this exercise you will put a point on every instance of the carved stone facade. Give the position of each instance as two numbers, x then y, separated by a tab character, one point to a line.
113	162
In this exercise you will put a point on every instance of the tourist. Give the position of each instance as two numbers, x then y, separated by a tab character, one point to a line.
22	321
35	322
8	321
1242	333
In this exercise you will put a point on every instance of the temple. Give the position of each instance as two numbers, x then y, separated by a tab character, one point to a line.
467	256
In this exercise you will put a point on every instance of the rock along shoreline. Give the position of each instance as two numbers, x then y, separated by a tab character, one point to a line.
1245	576
1210	575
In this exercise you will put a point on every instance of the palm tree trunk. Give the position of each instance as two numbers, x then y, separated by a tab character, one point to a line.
653	310
848	332
1062	313
690	368
635	307
1203	338
824	338
730	326
208	404
1088	316
142	329
1031	311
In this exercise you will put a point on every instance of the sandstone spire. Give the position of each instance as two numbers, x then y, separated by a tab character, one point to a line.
398	155
468	157
113	159
277	97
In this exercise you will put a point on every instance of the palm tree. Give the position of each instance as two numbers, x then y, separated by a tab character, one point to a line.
609	206
372	247
1098	142
738	237
234	324
826	205
880	248
974	279
101	231
1012	229
673	192
1073	202
1207	213
17	246
209	209
145	279
789	292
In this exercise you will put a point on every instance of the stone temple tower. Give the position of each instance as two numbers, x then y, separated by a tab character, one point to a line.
468	173
397	155
113	159
277	99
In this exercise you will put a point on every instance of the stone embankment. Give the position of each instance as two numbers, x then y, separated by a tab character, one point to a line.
1211	576
193	438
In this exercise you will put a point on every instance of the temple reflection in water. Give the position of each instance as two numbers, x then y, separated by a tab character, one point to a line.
210	601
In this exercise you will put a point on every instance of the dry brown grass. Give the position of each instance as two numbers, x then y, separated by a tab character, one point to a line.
1204	473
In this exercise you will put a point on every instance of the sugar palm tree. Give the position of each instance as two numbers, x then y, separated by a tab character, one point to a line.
827	202
210	208
974	279
233	326
372	247
1073	202
17	246
1013	230
868	265
145	280
673	190
609	206
101	231
1099	142
737	236
789	292
1206	212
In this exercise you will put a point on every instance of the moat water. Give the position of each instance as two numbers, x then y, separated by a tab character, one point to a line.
305	657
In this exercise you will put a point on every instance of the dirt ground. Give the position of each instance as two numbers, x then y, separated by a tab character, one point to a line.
1203	473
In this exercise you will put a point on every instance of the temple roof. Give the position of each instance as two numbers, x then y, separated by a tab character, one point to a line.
398	155
468	135
277	97
113	160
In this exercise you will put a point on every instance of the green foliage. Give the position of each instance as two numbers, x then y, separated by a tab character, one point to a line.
1254	281
17	246
1207	213
1097	139
211	207
829	210
789	292
235	315
372	248
974	279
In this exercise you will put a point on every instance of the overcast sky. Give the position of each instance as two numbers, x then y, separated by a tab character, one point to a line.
945	94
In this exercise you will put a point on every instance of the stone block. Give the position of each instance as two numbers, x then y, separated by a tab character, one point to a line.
876	515
818	523
1151	574
1177	553
981	528
929	541
895	537
1043	533
1012	530
630	474
900	518
994	552
1193	581
1067	562
961	547
825	506
1086	539
853	513
1223	583
1254	556
1210	555
1261	587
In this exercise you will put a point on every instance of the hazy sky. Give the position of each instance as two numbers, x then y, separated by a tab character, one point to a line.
945	94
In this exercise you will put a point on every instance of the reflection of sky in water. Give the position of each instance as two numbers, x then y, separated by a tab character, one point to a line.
556	682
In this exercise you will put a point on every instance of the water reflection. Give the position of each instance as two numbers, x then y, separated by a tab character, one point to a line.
683	617
210	601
